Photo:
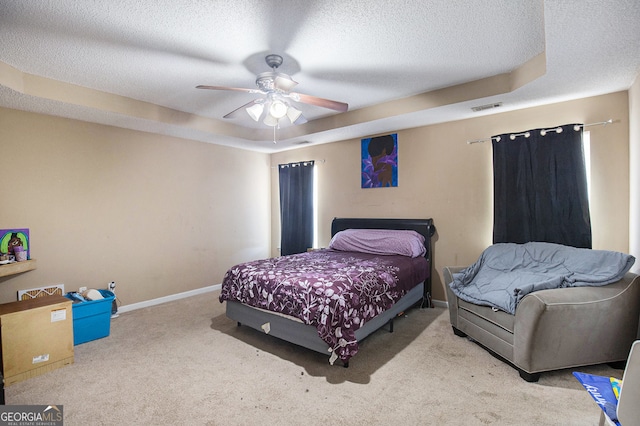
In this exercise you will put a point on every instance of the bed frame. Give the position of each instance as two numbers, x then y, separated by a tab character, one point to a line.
304	335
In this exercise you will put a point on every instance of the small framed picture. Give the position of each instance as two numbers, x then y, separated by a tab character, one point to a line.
380	161
10	238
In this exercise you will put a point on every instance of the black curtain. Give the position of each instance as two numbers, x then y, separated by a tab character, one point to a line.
296	207
540	188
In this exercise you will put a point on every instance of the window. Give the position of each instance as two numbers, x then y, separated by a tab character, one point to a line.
297	223
540	187
586	148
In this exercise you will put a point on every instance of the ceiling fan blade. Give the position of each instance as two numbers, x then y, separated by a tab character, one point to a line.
237	89
234	113
314	100
284	83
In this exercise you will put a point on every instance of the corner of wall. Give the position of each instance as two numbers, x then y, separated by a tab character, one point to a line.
634	171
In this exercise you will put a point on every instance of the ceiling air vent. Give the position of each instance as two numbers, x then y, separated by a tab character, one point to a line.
485	107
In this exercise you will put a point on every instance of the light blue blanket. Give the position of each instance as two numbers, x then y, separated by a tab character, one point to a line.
507	272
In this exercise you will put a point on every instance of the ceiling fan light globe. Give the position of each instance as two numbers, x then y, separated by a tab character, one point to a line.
293	114
255	111
278	109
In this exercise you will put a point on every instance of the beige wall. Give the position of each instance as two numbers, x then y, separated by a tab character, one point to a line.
442	177
158	215
634	172
162	215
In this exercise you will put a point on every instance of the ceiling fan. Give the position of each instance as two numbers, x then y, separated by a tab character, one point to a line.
276	104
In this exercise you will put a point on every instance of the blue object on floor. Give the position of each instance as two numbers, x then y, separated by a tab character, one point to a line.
599	387
92	318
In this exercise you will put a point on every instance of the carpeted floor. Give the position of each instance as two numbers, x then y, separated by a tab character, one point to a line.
185	363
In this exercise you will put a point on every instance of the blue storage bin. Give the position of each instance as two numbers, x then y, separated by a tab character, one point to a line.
92	318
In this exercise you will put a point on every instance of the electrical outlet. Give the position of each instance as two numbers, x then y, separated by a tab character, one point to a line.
82	289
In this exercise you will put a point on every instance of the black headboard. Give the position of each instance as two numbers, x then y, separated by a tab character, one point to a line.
422	226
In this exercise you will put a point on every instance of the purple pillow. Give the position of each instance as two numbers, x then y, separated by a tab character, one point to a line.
380	241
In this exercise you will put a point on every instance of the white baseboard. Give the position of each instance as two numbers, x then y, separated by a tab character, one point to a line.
440	303
170	298
178	296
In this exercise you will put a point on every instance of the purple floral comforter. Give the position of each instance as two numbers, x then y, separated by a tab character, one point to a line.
335	291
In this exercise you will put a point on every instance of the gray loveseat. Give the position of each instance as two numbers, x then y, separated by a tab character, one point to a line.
555	328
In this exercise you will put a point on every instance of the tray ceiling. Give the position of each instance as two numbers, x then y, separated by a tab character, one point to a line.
398	64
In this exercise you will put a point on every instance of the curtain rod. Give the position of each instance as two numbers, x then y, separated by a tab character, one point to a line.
543	131
305	161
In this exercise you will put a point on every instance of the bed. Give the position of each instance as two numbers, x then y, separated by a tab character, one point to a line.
329	300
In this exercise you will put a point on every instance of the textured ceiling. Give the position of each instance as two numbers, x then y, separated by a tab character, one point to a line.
398	64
